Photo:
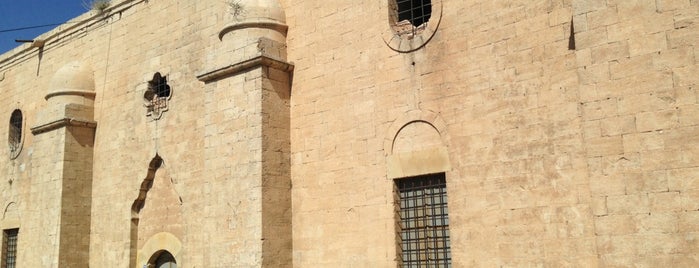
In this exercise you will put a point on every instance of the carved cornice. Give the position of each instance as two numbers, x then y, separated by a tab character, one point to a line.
263	24
74	92
65	122
242	66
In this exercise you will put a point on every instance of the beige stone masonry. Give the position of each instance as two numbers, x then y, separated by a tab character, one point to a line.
567	132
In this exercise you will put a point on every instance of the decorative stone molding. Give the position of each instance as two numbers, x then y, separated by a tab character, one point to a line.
70	99
428	117
426	155
157	96
272	25
65	122
159	242
239	67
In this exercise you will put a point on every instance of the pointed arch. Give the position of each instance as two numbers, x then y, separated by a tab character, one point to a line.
155	210
138	204
146	185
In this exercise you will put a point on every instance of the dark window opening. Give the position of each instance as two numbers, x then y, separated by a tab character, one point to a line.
9	249
164	260
158	87
571	38
15	131
157	96
424	221
416	12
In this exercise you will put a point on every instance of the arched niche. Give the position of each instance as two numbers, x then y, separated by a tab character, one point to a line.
158	244
10	216
416	144
156	209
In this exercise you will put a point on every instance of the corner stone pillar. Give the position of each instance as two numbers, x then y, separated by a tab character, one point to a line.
247	144
61	192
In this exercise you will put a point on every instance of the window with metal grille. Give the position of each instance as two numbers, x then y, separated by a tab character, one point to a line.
157	96
158	86
9	249
424	221
15	131
417	12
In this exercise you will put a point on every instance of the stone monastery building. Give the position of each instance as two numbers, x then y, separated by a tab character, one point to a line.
364	133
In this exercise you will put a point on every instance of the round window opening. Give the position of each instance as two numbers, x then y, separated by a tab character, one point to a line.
162	259
14	139
412	15
413	23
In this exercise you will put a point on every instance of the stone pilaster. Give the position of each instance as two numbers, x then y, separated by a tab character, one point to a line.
248	89
62	191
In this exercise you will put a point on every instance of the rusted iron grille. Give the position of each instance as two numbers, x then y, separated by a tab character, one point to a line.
159	86
10	248
415	11
424	221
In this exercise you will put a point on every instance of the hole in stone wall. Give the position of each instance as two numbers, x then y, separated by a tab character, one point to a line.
571	39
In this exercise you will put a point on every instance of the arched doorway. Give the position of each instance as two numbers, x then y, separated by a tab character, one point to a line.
162	259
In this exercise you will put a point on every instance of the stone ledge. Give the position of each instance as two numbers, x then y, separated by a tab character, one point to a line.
65	122
233	69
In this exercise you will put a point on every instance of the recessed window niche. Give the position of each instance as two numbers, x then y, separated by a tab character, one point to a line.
14	139
157	96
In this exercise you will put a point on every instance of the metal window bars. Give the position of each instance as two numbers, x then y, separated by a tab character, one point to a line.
424	222
15	131
157	96
10	248
412	15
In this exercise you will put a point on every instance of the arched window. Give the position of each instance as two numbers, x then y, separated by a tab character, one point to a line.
163	259
14	138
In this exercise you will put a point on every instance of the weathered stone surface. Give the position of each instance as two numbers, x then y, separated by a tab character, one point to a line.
554	155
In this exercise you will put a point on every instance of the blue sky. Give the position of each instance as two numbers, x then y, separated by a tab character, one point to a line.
27	13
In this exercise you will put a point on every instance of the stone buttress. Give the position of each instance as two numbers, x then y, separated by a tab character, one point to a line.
247	82
62	187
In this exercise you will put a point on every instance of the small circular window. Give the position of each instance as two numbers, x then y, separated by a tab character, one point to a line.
14	138
413	23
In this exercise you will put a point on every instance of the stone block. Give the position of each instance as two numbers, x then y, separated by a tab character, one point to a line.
602	17
647	44
631	67
610	52
614	225
663	222
628	204
650	121
605	146
619	125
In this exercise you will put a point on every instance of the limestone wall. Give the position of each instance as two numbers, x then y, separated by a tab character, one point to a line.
566	131
637	69
559	156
